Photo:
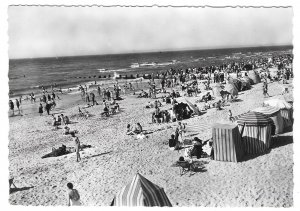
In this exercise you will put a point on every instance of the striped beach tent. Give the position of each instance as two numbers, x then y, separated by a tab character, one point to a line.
141	192
227	142
275	114
286	110
195	128
256	135
254	76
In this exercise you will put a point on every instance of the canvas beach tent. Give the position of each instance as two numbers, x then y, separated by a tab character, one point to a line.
257	128
275	114
254	76
231	89
286	110
141	192
227	142
237	83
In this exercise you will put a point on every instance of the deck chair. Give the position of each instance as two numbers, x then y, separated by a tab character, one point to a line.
185	167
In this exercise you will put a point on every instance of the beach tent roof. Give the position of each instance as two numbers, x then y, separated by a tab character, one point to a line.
231	89
282	104
141	192
254	119
268	110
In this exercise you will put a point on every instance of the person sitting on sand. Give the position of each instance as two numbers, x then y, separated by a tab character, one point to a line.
54	122
117	107
105	111
59	121
138	128
66	130
73	196
129	130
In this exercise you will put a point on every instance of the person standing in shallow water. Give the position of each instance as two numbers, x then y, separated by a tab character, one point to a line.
73	196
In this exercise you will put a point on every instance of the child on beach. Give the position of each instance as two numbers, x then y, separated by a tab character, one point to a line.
230	116
41	109
73	196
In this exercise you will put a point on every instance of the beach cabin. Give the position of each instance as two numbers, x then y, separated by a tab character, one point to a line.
256	131
275	114
227	142
141	192
286	110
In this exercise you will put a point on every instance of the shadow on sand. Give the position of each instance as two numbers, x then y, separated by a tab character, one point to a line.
13	190
277	141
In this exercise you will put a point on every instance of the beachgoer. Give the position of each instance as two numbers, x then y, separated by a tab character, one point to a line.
77	145
73	196
66	130
230	118
129	130
48	107
41	109
180	129
138	128
18	105
12	106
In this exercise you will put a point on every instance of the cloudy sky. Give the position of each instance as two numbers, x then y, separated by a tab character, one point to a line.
50	31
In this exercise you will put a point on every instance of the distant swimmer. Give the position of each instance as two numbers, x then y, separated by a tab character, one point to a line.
24	76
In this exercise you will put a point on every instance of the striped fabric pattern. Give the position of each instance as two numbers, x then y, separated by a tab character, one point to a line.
287	117
275	114
256	139
227	143
141	192
253	119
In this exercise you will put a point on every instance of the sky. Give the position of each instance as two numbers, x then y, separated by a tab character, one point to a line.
65	31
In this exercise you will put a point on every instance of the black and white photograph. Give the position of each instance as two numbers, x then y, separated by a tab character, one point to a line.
150	106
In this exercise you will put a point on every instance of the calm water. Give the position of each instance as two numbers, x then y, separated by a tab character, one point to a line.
26	75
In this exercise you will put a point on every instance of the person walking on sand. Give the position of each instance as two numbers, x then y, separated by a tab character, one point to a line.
73	196
265	89
18	105
41	109
48	107
12	107
77	146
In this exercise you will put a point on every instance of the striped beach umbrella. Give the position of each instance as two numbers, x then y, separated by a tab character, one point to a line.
254	118
141	192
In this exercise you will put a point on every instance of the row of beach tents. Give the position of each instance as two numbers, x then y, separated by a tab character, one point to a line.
252	131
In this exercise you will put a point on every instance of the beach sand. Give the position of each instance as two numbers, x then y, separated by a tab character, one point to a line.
115	158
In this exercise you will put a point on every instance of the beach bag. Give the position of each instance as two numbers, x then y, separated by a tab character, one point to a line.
75	195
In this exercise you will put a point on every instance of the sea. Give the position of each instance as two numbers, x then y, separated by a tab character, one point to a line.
29	75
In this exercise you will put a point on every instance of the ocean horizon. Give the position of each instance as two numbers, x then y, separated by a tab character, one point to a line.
29	74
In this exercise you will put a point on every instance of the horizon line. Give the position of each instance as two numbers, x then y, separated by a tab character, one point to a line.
157	51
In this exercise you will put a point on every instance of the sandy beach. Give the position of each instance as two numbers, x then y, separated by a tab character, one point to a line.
114	158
